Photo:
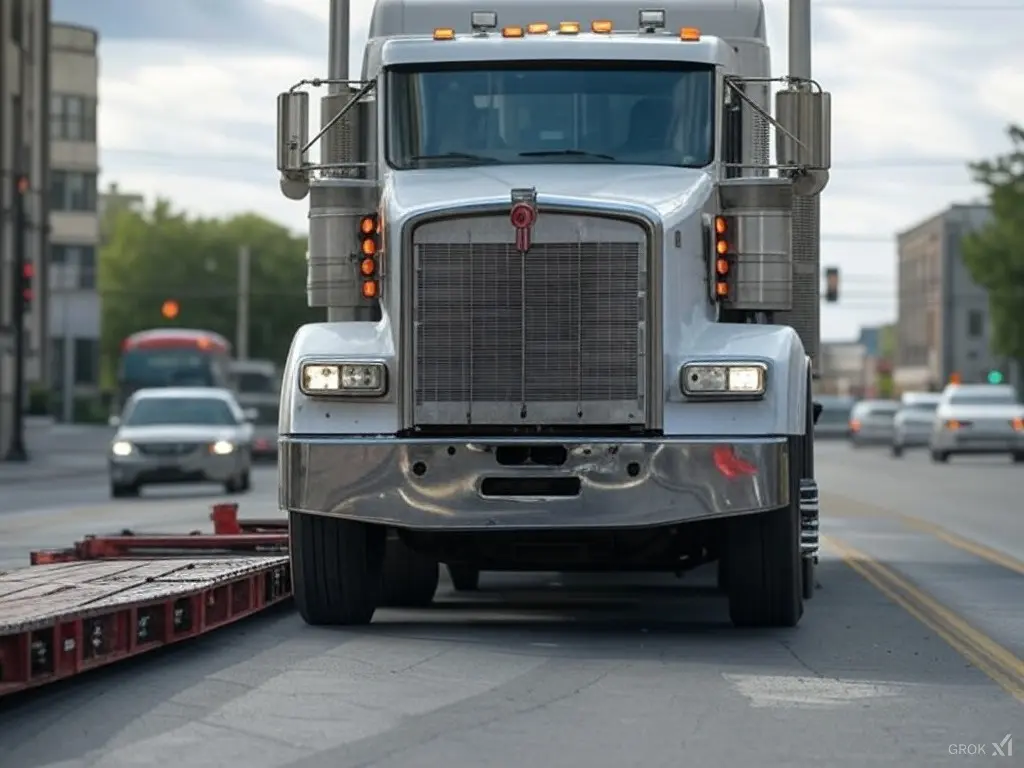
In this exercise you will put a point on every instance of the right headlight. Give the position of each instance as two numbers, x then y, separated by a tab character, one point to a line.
724	380
343	379
121	448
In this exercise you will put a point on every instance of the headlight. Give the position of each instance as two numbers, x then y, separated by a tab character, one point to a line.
222	448
121	448
724	379
365	379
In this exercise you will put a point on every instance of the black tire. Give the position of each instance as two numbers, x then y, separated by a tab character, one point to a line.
336	569
940	457
410	578
120	491
465	578
897	450
764	567
246	484
1018	458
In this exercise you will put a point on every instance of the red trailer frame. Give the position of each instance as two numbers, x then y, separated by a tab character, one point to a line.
109	598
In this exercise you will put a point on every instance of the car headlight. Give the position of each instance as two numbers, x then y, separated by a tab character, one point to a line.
360	379
121	448
724	379
222	448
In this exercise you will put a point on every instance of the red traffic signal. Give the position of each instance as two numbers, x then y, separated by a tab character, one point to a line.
28	272
21	184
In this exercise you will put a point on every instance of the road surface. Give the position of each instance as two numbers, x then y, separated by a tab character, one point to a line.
909	652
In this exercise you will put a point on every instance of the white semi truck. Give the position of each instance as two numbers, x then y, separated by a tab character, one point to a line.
571	298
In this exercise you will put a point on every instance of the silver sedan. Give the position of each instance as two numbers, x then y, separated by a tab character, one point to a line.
181	435
978	419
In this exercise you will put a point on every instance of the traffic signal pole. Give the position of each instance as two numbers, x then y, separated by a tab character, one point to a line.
16	448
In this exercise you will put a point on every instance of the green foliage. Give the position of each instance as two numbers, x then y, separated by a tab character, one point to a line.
151	256
995	254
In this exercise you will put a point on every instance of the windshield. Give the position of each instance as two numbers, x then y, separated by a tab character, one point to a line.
877	410
834	414
991	398
256	383
926	407
647	113
157	411
166	368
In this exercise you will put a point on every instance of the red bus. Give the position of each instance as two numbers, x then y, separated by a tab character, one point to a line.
172	357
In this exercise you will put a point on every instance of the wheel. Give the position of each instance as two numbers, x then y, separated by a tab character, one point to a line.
121	491
238	484
940	457
410	578
336	569
1018	457
897	450
764	567
246	483
465	578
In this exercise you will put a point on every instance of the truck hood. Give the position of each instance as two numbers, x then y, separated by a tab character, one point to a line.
670	194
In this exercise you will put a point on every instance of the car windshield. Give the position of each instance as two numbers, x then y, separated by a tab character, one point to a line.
834	414
158	411
986	398
879	410
251	383
927	407
646	113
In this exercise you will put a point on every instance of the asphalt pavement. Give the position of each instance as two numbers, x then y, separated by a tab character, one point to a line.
910	653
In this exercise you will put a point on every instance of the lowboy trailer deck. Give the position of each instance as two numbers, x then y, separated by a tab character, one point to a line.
111	598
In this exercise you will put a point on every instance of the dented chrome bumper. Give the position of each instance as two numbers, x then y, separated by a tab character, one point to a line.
499	484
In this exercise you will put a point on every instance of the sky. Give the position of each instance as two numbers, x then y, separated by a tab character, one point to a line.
920	88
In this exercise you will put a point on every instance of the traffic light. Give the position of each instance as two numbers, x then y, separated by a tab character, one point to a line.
369	253
832	285
28	294
995	377
170	309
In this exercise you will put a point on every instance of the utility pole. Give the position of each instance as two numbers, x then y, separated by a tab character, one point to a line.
242	316
337	48
21	186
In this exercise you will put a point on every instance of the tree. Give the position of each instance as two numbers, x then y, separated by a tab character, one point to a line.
157	255
994	255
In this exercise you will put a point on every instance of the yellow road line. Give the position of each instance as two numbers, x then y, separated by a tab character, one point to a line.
850	508
1000	664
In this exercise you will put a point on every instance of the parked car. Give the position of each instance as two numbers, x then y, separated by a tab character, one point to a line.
834	420
179	435
912	427
871	422
264	436
978	419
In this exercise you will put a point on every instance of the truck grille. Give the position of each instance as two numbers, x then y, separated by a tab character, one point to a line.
555	337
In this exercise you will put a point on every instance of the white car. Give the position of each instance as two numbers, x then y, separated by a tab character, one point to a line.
912	427
181	435
978	419
871	422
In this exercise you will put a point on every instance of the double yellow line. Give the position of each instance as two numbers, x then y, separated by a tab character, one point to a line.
999	663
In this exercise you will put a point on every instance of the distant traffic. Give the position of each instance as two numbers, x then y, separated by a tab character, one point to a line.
963	419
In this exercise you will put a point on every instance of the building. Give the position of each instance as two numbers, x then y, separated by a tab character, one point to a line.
942	323
24	152
74	316
843	368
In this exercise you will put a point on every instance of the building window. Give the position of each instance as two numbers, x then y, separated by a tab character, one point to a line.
72	191
975	324
80	259
72	118
87	355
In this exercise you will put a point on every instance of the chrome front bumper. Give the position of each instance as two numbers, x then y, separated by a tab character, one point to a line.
440	484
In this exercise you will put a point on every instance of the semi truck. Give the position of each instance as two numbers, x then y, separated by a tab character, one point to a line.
569	257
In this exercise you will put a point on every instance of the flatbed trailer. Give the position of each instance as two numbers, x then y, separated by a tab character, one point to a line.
109	598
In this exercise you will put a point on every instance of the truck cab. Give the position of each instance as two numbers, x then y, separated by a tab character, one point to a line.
569	325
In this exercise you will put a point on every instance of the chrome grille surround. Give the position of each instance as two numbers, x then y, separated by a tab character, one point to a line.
559	336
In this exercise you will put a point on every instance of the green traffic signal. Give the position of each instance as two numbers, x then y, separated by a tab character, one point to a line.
995	377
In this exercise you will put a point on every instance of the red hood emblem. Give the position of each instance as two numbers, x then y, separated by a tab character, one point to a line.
523	216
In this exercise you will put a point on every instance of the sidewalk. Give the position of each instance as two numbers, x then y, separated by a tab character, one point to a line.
58	451
40	468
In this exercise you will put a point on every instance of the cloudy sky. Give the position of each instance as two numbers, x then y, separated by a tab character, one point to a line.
919	87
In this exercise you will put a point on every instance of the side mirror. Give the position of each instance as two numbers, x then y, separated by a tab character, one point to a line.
251	414
114	421
806	114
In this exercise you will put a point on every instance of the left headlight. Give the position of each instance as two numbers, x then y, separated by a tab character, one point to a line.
121	448
347	379
222	448
724	379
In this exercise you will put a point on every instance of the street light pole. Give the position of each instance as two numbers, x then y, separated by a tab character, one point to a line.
242	316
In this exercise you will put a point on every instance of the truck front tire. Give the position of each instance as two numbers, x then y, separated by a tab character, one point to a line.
763	566
336	569
410	578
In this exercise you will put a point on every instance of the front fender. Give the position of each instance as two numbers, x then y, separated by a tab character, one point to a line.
782	411
356	416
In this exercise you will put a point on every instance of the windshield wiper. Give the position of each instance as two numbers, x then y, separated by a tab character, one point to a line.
457	156
566	153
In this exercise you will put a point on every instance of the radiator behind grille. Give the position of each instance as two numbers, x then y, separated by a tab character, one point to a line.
552	337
